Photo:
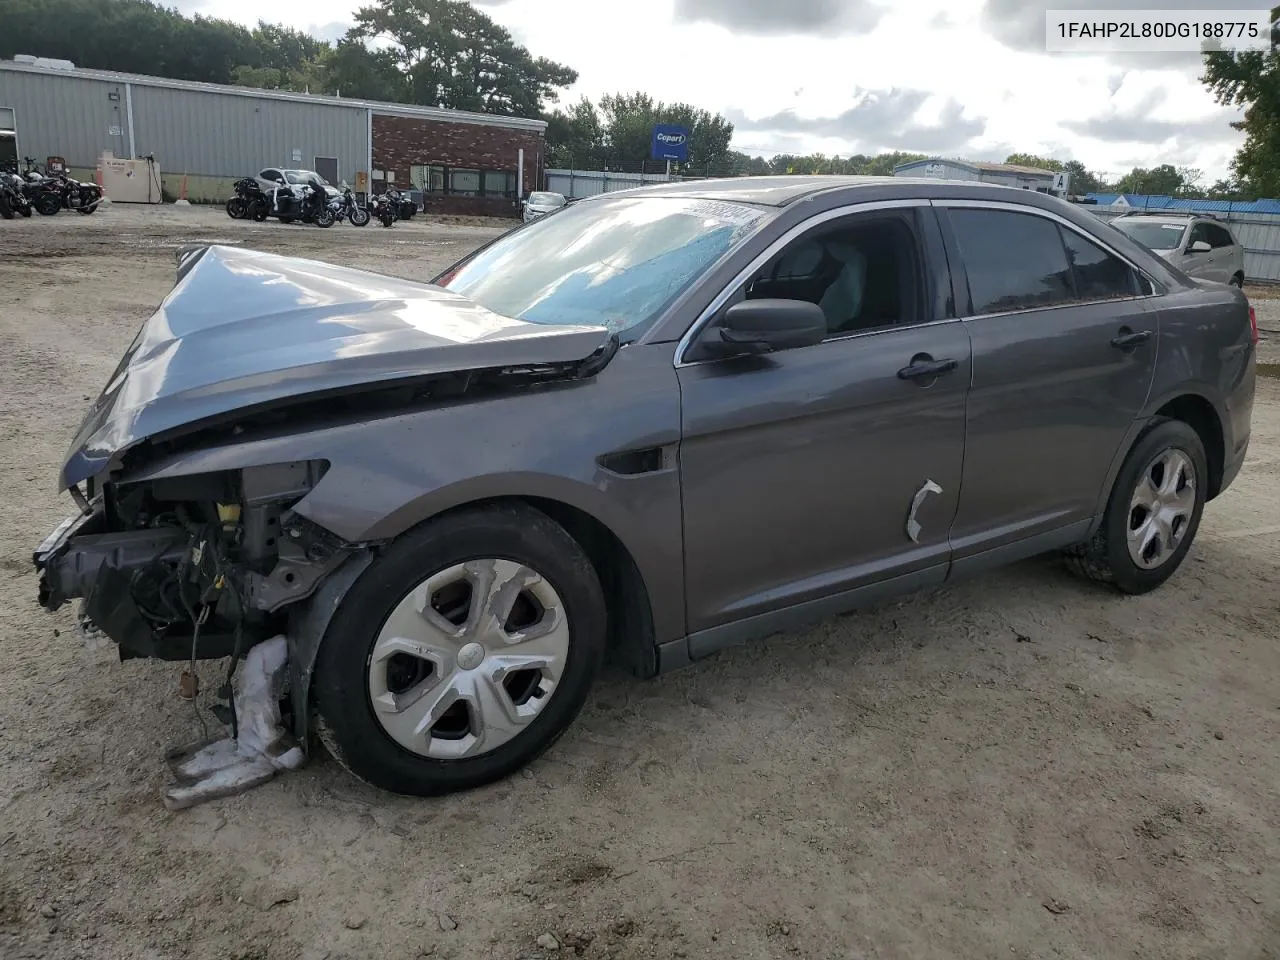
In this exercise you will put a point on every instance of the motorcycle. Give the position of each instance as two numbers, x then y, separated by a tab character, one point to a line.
42	192
12	199
249	203
384	208
405	207
344	206
305	202
77	195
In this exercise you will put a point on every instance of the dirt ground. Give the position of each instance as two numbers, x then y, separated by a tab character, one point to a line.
1018	766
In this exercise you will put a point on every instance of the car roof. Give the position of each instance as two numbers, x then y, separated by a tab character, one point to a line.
779	191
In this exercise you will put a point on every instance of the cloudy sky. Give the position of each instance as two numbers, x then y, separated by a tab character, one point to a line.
966	78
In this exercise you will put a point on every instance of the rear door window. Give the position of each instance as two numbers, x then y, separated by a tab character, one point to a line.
1219	236
1097	274
1014	261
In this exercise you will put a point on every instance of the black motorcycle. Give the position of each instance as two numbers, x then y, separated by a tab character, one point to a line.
344	206
405	207
309	203
77	195
249	203
384	208
12	199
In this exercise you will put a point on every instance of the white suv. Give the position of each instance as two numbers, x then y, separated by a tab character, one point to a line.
1197	245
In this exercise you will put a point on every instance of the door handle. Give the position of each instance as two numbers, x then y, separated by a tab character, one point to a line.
925	369
1128	340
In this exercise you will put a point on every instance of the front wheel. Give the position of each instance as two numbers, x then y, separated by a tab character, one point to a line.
464	651
358	216
236	208
324	217
6	209
1153	513
25	209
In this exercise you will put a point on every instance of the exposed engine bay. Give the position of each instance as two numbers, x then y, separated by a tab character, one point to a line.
190	567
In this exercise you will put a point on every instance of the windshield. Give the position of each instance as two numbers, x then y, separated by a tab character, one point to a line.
611	262
304	176
1156	236
547	199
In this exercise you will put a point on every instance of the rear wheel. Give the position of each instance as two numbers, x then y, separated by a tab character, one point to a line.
48	204
1153	513
1237	280
464	651
25	209
6	210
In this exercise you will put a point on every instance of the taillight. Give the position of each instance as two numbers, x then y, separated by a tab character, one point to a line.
1253	324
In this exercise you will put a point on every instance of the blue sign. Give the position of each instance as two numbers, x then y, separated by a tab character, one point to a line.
670	143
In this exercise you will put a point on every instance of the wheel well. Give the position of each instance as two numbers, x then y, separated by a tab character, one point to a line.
631	634
1198	413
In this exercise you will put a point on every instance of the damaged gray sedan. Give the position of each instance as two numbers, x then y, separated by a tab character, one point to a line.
653	425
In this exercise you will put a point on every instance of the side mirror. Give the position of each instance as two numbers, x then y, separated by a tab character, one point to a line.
765	326
1199	247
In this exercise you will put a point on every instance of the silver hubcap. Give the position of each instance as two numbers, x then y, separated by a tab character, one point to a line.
1161	509
468	659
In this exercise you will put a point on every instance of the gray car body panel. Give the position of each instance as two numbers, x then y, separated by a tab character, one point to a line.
242	329
782	484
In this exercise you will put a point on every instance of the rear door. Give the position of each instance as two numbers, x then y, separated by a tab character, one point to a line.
1064	348
813	472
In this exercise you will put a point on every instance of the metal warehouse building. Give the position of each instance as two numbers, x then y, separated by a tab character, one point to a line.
208	136
1004	174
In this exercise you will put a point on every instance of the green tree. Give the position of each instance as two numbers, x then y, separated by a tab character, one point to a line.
1251	79
1083	180
1031	160
1164	180
575	137
456	56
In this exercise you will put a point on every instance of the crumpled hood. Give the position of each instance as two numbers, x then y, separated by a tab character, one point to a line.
242	329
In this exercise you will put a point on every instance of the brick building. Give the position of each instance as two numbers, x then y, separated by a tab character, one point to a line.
204	136
461	166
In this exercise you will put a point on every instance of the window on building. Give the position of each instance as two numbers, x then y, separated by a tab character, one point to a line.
464	181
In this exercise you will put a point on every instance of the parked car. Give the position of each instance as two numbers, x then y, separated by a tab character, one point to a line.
541	203
271	177
657	424
1198	246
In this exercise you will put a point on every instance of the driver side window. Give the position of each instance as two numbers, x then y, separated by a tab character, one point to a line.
863	270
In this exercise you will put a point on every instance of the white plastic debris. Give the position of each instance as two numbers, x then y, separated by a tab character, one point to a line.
264	748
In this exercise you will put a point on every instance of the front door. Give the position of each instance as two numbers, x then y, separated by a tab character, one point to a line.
1064	347
809	473
327	167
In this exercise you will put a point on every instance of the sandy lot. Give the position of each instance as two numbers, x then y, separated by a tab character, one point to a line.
1019	766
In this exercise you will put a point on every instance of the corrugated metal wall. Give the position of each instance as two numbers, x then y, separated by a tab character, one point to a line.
587	183
1258	233
215	134
67	117
188	131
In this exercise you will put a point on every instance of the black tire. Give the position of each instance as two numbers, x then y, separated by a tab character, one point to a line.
6	210
324	217
345	720
358	216
1105	557
25	209
236	208
48	204
286	219
1237	280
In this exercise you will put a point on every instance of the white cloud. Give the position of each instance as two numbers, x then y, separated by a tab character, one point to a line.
970	69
